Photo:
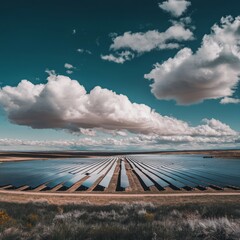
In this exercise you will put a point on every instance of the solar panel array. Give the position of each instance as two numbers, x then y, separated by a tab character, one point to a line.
120	173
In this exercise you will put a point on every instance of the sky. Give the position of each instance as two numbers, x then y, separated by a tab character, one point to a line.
126	75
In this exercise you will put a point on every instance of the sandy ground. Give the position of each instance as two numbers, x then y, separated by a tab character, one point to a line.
101	199
17	159
10	158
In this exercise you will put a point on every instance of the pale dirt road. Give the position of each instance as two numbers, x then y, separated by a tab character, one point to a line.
166	199
132	195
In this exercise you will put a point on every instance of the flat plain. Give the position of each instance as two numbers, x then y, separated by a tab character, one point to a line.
100	177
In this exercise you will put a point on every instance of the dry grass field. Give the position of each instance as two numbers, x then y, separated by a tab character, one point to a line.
136	220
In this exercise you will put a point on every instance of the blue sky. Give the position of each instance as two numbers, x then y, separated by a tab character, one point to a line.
115	45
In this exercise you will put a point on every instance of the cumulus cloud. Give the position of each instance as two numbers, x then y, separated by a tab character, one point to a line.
81	50
137	141
141	42
88	132
210	73
68	66
135	44
184	21
50	72
119	58
175	7
228	100
213	128
63	103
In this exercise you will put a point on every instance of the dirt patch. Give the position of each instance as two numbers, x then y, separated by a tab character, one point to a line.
104	198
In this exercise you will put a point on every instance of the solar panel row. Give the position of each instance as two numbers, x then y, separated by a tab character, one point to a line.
124	182
90	173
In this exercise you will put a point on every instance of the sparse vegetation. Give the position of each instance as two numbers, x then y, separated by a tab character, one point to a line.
119	221
4	218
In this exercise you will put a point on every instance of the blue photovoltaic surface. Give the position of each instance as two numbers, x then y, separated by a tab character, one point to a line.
178	171
124	183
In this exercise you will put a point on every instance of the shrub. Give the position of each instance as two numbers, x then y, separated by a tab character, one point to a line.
32	219
4	218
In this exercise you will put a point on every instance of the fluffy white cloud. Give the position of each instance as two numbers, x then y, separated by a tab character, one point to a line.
119	58
135	142
50	72
185	21
137	43
228	100
213	128
69	71
81	50
175	7
141	42
68	66
87	132
210	73
63	103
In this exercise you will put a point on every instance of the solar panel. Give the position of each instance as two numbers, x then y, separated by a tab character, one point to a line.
73	180
96	174
172	176
203	178
106	180
164	177
57	181
148	183
91	180
89	166
124	182
155	178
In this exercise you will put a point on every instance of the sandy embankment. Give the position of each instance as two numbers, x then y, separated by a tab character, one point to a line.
15	157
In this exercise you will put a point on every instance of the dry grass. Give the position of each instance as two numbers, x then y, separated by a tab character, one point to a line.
159	199
4	218
120	221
